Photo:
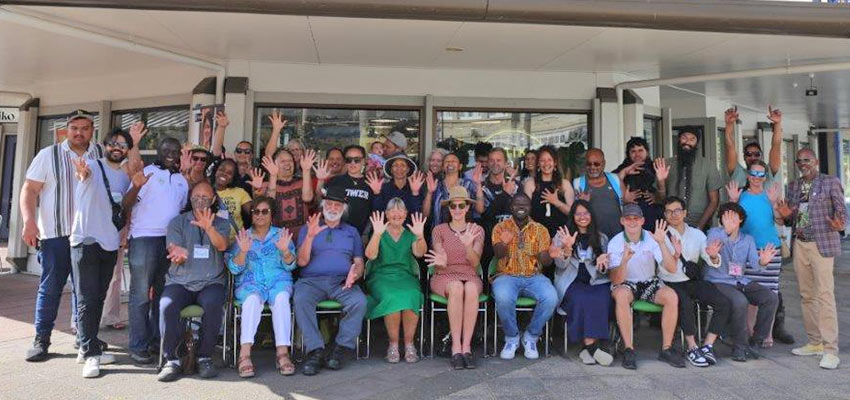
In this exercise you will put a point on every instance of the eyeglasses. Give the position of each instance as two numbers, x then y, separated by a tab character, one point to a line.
803	160
582	214
593	164
455	206
757	174
196	159
752	153
243	151
261	211
120	145
356	160
675	213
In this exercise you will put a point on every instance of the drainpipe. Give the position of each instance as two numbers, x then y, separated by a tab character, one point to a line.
31	20
752	73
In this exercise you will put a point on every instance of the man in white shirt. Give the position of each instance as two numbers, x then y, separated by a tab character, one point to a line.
50	189
151	205
634	254
690	244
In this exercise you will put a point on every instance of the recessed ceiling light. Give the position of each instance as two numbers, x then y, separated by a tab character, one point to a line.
452	48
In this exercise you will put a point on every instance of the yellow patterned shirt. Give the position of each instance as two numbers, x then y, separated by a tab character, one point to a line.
521	259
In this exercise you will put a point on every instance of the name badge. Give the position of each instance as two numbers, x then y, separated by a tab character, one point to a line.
736	269
201	252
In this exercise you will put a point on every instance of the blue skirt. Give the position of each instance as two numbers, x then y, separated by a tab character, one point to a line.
588	310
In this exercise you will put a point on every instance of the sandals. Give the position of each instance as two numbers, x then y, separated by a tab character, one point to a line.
393	357
246	367
410	354
284	365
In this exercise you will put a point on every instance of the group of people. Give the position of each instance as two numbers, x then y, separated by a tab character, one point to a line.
289	231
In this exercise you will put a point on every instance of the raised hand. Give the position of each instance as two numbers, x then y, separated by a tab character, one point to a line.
603	262
660	232
677	246
774	193
257	176
784	210
137	132
733	191
284	240
774	115
379	226
510	186
82	169
416	180
313	227
633	169
549	197
375	181
731	116
729	219
185	157
583	195
177	254
244	241
307	160
221	119
140	179
662	170
270	166
627	253
436	259
205	220
277	121
477	174
322	171
417	225
713	248
430	182
767	253
629	196
469	235
506	237
837	223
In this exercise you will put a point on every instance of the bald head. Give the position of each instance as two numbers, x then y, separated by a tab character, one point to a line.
807	163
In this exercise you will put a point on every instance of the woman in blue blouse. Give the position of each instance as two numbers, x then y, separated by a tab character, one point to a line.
261	261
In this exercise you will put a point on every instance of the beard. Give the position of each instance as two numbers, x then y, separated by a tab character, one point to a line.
111	157
685	156
331	216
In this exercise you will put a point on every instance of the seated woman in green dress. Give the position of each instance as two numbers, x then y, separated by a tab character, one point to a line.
392	278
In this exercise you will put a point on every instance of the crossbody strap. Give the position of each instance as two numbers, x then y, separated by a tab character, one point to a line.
106	183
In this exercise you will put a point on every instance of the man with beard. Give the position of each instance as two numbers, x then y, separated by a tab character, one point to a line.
153	201
636	172
49	188
522	248
482	159
394	145
496	190
330	257
692	178
95	240
752	150
603	190
815	211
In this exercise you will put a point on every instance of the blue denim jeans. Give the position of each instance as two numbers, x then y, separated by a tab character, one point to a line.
310	291
54	256
506	290
148	265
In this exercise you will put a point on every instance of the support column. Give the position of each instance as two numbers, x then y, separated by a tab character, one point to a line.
202	95
235	104
18	251
606	127
632	114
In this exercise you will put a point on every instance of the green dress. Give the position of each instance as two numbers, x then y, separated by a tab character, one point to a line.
392	279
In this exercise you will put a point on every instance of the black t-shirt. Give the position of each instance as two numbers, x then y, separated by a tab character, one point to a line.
359	199
497	203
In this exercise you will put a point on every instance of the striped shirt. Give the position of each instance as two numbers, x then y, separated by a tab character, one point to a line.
53	166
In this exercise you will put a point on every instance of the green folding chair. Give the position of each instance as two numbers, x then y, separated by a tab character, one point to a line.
439	304
523	304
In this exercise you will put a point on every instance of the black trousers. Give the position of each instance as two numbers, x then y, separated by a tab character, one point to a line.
93	267
706	293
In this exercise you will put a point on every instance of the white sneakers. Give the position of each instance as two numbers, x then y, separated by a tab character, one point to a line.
829	361
91	369
105	359
509	351
529	346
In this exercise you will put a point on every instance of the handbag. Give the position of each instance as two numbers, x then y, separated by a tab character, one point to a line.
117	211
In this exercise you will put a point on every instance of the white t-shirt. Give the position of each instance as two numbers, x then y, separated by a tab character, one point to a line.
646	256
93	216
693	248
54	167
159	200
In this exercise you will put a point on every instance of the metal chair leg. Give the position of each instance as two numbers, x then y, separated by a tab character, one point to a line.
547	339
432	330
495	333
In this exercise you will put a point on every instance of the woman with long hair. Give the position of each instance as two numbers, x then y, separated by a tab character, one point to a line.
551	195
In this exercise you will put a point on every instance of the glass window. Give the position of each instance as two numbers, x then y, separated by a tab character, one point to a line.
161	123
51	129
515	132
325	128
651	132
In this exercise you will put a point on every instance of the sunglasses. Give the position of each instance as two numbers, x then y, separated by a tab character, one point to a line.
120	145
593	164
757	174
356	160
752	153
803	160
261	211
243	151
455	206
196	159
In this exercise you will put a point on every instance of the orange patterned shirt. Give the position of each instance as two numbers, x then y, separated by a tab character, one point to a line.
522	254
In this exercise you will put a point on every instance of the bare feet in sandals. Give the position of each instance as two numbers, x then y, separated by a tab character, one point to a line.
245	367
284	364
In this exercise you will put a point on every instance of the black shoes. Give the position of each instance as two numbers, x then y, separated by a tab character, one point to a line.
313	363
696	358
206	368
743	353
708	353
141	357
672	357
468	361
629	359
38	351
336	357
457	361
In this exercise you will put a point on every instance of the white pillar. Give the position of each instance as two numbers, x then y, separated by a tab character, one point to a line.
18	251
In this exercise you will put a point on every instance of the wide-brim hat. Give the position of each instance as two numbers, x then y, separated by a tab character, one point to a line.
457	193
411	166
336	193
